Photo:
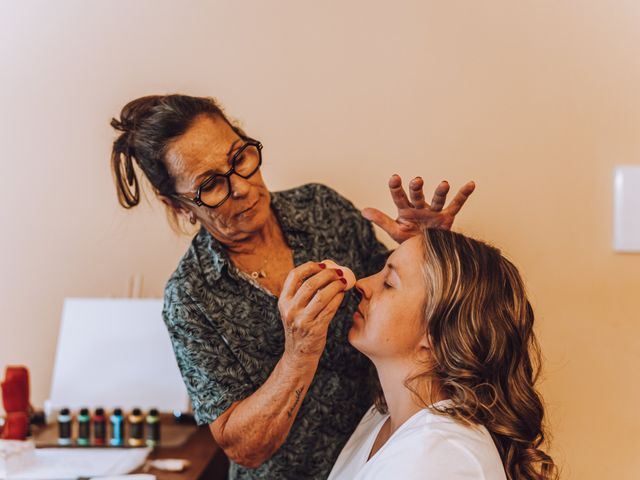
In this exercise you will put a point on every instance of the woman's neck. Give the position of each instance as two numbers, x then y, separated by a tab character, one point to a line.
402	402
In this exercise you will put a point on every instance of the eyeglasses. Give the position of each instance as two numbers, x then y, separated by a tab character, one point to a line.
216	189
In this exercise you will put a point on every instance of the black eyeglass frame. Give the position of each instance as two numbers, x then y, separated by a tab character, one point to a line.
250	142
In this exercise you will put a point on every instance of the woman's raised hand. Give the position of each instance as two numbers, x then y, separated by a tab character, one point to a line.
311	296
414	212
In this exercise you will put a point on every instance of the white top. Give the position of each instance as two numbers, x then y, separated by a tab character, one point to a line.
425	447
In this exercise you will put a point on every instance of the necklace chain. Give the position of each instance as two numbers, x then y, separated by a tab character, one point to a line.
260	273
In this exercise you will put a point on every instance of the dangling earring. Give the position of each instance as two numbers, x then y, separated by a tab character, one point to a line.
192	219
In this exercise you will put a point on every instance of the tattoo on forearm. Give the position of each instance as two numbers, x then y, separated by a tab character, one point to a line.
298	393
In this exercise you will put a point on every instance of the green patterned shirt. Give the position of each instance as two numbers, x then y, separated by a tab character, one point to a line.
227	333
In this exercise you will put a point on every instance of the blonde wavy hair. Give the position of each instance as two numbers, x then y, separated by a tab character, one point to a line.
486	358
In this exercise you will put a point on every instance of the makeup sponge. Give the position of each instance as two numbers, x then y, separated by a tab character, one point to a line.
349	276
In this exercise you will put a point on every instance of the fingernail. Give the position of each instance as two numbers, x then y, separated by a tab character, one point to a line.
339	272
322	265
343	280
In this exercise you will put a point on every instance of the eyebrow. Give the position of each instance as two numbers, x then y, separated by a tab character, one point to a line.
211	172
393	268
233	146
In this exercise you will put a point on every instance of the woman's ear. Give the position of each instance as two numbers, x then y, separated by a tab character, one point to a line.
177	207
425	350
426	341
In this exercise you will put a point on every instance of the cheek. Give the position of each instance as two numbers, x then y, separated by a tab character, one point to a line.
247	223
262	212
265	201
380	328
257	181
220	218
372	335
387	332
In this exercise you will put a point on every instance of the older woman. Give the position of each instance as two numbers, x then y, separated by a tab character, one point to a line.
261	345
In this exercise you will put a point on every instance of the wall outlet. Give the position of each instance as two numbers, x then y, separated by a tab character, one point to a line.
626	208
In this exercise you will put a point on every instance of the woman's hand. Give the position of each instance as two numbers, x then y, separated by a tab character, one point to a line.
252	430
310	297
414	212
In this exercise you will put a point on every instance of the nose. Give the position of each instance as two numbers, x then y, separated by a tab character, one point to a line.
363	287
239	186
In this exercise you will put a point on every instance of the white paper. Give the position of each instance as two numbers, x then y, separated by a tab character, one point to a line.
135	476
115	353
71	463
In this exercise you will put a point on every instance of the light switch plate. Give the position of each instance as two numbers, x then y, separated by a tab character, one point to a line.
626	208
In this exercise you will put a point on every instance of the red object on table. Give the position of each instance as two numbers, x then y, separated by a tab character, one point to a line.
15	398
16	426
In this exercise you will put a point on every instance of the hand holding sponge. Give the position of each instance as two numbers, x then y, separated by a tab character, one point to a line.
348	275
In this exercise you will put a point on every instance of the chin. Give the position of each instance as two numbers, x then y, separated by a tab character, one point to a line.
354	338
366	346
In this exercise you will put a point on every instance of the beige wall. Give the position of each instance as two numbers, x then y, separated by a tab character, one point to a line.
536	101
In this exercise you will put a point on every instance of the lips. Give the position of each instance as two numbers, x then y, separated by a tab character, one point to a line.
247	209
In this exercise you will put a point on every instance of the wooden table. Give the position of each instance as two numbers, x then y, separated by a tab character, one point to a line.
208	461
183	441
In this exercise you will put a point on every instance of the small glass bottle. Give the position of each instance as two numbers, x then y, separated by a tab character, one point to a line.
136	428
64	427
153	428
84	427
99	427
117	428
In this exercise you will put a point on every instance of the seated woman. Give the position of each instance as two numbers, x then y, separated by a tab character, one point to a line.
449	328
